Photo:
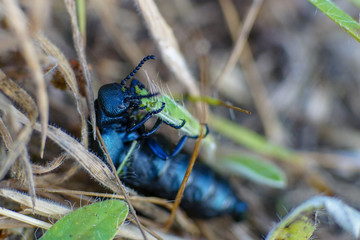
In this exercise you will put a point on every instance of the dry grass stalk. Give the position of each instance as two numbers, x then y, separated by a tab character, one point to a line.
270	121
69	77
7	139
18	24
231	16
269	118
168	45
43	207
74	193
18	148
51	166
23	218
80	51
28	174
241	40
95	167
39	13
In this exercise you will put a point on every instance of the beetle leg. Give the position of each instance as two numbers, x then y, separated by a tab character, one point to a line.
146	117
154	128
206	133
176	126
179	146
157	149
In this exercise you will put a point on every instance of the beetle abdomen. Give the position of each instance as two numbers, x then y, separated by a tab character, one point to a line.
206	195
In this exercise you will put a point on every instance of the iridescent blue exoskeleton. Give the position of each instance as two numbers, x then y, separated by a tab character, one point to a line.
151	171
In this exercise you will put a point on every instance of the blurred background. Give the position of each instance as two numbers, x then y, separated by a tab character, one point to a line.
298	73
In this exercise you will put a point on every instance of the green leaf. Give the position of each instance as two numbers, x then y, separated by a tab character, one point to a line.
301	228
254	169
299	225
173	112
96	221
338	16
250	139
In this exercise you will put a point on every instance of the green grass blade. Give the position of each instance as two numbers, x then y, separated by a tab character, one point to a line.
216	102
96	221
251	140
127	158
338	16
253	168
81	14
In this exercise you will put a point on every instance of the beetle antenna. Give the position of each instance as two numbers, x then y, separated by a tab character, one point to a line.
123	82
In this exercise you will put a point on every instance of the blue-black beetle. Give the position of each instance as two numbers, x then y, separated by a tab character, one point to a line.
150	170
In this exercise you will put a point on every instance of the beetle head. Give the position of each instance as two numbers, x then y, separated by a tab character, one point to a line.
114	99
